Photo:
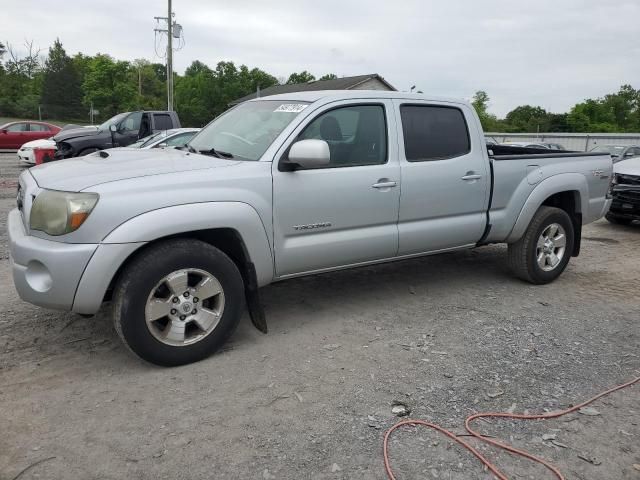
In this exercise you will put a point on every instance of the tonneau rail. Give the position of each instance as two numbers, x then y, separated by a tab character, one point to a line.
524	156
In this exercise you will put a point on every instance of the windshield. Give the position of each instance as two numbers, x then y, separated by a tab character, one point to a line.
247	130
143	142
614	150
112	121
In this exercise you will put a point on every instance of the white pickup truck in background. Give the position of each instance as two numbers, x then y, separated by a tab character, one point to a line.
285	186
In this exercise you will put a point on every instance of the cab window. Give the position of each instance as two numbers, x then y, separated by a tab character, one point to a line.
357	135
132	122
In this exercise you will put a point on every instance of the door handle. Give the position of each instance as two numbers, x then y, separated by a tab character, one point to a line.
471	177
388	184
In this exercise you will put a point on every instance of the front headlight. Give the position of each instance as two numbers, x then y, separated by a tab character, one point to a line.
56	213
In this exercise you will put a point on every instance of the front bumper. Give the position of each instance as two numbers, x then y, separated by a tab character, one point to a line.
26	156
626	202
45	273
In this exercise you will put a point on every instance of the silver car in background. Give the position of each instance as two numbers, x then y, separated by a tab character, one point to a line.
176	137
618	152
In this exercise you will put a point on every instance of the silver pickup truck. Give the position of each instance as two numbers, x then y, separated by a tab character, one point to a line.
284	186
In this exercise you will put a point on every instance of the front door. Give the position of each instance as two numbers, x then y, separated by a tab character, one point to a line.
16	135
129	129
445	177
345	213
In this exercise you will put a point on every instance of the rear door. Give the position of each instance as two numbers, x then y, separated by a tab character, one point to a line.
345	213
445	177
38	131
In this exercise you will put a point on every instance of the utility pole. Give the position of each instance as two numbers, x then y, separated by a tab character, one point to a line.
169	59
173	29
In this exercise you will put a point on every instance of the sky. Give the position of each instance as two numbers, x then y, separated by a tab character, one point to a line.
547	53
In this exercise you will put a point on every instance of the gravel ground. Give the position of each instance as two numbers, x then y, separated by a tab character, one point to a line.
449	335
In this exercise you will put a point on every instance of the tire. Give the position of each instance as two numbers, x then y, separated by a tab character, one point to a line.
524	255
153	278
87	151
617	220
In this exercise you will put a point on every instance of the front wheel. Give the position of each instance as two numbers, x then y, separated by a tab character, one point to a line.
544	250
178	302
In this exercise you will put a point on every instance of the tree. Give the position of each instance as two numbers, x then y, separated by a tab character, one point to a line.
302	77
61	85
150	89
109	86
558	122
616	112
480	102
195	68
202	93
526	118
328	76
20	82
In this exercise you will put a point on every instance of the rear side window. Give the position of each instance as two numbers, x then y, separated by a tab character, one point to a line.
18	127
433	132
162	121
37	127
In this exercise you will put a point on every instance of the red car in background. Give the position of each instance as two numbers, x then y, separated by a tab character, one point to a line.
14	134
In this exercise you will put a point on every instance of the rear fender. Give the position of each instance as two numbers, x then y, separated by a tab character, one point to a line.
563	182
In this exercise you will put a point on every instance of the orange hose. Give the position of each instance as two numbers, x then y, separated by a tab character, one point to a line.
497	473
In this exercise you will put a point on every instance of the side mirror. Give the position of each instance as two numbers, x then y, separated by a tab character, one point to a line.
113	129
308	154
161	145
629	154
4	130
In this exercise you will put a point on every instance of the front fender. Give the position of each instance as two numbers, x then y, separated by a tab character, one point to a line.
136	232
564	182
238	216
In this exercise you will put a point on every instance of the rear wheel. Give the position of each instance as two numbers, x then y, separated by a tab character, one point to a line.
178	302
617	220
544	250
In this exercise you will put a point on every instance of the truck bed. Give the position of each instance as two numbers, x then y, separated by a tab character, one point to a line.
517	171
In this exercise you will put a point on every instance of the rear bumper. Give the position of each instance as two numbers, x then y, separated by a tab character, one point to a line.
45	273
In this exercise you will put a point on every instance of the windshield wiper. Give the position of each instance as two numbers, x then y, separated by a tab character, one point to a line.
214	153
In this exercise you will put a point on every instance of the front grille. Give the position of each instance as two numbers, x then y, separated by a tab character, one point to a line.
628	179
628	197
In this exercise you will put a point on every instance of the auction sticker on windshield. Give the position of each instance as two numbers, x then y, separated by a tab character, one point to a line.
291	107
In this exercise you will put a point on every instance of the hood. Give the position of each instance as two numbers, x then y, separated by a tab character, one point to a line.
76	174
65	135
45	142
628	167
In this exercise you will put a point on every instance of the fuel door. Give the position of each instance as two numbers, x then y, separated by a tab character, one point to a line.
534	174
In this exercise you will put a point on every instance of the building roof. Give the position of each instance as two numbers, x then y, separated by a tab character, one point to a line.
344	83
